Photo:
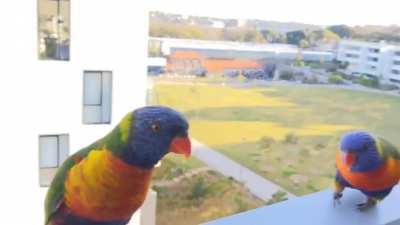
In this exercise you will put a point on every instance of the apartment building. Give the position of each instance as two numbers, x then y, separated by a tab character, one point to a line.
376	59
393	68
70	72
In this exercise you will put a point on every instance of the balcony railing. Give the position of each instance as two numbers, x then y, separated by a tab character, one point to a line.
318	209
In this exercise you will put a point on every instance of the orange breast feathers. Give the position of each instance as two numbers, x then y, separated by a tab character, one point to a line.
102	187
386	176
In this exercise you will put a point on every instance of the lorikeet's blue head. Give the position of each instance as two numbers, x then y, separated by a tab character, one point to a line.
156	131
359	151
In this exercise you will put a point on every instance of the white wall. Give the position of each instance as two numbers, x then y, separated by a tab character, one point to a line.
45	97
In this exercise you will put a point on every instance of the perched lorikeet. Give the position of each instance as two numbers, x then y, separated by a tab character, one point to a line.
369	164
106	182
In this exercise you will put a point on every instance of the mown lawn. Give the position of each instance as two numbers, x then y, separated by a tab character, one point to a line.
287	134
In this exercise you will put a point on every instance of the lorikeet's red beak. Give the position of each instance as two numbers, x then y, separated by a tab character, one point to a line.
181	145
349	158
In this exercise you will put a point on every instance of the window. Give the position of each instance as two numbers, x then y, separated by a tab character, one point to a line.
355	56
353	48
397	53
374	50
395	81
53	29
53	150
373	59
397	63
97	92
396	72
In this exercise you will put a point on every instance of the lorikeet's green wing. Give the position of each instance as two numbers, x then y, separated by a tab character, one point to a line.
116	141
387	150
55	194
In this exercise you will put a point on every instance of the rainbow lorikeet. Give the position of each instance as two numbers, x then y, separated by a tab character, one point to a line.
106	182
366	163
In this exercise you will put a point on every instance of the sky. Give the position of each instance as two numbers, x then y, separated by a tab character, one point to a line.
322	12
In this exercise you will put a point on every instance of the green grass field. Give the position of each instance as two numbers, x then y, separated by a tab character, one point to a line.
288	134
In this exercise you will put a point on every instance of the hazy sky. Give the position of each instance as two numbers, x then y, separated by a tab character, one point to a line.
322	12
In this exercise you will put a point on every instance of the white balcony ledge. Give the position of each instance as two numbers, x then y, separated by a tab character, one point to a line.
317	209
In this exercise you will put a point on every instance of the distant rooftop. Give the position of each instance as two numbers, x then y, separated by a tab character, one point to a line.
223	49
225	45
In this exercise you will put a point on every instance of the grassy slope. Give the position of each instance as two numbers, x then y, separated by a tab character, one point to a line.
202	198
235	120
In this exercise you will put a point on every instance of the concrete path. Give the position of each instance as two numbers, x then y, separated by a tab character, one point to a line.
257	185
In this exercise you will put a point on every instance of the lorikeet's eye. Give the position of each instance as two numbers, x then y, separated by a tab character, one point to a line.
155	127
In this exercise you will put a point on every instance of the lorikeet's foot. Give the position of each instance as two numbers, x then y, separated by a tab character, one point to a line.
371	202
336	198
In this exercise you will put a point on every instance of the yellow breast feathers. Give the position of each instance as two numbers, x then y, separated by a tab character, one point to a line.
102	187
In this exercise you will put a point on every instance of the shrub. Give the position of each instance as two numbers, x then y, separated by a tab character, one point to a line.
266	141
368	81
241	205
336	79
305	152
310	80
199	189
311	187
286	75
277	197
287	172
388	87
320	146
299	63
291	138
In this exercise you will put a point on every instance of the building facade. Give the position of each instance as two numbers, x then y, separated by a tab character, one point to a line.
45	101
373	59
185	55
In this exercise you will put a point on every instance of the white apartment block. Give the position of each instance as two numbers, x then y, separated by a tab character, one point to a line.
370	58
51	108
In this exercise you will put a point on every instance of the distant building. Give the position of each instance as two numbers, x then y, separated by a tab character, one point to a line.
218	24
371	58
192	62
184	55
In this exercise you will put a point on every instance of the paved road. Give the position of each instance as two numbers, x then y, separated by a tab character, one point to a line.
257	185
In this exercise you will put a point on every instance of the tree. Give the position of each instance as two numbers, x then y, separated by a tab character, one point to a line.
253	36
295	37
304	44
243	35
342	30
330	36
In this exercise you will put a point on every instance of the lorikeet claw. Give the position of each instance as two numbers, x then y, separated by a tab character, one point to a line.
367	205
336	198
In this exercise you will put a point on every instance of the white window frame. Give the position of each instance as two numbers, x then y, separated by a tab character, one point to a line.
62	151
105	102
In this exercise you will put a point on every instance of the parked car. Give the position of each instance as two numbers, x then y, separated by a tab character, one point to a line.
231	73
200	72
155	70
255	74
